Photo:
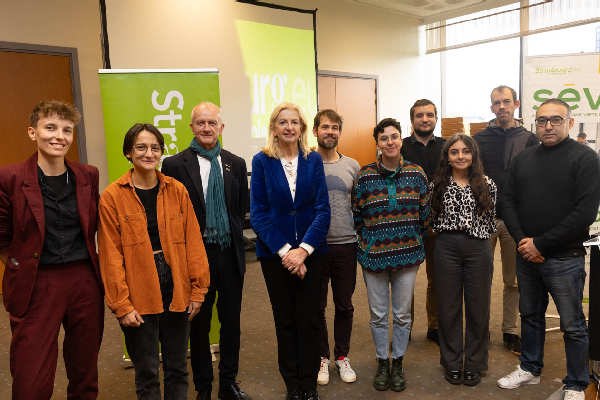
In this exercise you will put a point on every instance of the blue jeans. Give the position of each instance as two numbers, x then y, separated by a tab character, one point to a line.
401	283
563	278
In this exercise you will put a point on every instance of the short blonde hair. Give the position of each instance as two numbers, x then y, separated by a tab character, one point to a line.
272	147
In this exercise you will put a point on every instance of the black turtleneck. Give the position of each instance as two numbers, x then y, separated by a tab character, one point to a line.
552	194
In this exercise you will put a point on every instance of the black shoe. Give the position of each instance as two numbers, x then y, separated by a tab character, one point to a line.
382	376
453	376
433	335
294	395
232	391
512	342
311	395
471	378
397	381
204	394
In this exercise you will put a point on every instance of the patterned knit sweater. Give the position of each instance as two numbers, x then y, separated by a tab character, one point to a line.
390	212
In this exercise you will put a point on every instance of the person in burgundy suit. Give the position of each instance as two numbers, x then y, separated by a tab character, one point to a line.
48	219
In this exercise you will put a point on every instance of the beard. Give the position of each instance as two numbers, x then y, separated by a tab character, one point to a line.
423	133
332	144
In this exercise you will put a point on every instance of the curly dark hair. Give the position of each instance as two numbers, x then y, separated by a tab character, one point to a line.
441	180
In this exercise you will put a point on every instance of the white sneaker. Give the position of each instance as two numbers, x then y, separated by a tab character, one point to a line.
517	378
573	395
323	376
346	372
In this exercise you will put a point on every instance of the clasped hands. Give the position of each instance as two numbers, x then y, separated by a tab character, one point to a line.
133	319
529	252
293	261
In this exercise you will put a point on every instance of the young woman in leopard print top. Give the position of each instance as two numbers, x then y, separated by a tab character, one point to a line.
463	209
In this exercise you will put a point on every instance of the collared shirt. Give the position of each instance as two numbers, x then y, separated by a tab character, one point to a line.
204	164
426	156
63	238
126	260
460	212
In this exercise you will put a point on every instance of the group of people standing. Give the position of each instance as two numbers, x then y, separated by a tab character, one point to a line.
170	245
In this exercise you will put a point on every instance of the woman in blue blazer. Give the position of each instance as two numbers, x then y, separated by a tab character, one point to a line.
289	211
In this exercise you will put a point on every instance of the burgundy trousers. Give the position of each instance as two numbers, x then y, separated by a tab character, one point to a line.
70	295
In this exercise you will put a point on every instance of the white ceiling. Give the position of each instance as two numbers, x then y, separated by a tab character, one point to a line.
434	10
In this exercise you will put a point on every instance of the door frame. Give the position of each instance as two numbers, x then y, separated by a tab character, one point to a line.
71	52
338	74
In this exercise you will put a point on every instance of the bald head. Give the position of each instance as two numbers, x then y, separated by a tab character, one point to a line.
206	124
208	106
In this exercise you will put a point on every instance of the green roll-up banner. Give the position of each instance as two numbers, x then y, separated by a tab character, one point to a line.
164	98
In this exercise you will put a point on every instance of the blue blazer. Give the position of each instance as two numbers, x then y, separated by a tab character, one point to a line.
275	217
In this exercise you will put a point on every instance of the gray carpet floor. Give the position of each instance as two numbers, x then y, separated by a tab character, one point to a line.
260	378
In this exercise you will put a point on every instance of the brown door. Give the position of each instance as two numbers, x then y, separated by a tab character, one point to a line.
355	100
25	79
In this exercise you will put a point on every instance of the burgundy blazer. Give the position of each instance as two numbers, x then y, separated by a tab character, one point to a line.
22	226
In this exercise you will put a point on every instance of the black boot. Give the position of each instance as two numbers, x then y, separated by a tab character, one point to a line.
382	376
397	381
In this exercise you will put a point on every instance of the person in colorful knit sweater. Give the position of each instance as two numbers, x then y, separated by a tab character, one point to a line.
390	203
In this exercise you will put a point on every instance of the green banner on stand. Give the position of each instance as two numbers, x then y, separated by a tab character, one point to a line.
164	98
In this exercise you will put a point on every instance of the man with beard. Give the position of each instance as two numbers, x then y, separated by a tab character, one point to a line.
499	144
339	263
425	149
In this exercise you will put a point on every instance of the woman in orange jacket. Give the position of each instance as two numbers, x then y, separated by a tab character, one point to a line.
153	264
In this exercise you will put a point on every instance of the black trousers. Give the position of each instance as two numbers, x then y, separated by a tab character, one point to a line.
295	305
594	313
226	285
463	269
339	266
171	330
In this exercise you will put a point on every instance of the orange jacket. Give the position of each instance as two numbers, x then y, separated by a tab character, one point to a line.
126	260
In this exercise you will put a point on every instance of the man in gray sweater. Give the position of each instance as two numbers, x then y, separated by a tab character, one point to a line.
339	263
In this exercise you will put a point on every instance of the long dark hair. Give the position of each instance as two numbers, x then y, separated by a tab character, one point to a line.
441	180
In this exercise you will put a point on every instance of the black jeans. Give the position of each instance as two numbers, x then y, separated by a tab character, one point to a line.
171	330
463	270
226	285
295	305
339	266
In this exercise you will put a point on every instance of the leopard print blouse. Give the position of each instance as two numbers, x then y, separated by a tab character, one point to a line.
459	212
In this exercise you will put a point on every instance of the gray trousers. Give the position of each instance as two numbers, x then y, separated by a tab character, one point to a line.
463	271
510	294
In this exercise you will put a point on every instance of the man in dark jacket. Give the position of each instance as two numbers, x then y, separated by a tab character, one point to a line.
499	143
217	183
425	149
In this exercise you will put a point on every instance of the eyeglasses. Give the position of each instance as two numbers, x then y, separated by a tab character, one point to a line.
142	148
555	120
385	138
